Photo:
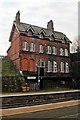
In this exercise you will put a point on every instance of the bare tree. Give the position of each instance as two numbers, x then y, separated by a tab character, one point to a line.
76	45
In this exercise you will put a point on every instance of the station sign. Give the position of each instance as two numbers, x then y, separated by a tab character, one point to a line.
31	77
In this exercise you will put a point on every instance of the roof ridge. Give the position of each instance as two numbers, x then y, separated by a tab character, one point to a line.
33	25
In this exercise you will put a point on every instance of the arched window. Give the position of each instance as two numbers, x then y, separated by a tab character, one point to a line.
25	46
61	52
67	67
62	67
54	50
54	66
41	49
66	52
32	47
49	51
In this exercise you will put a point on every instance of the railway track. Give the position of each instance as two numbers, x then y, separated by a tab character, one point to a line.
21	100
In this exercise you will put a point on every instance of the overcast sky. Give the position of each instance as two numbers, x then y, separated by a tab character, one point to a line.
64	14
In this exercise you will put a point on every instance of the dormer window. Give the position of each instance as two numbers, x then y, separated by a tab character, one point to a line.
41	36
29	33
52	37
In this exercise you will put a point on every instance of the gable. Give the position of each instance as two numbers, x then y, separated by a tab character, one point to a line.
14	33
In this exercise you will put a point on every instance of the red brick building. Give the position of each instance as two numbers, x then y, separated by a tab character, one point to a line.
40	52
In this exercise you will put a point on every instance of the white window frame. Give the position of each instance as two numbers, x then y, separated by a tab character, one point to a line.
25	46
66	67
49	66
62	67
41	49
61	52
54	50
54	67
32	47
49	51
66	52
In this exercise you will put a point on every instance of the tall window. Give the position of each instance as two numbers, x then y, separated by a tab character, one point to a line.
54	66
41	49
67	67
49	50
66	52
61	52
49	66
32	47
54	50
62	67
25	46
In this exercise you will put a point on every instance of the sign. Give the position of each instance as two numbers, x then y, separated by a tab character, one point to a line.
31	77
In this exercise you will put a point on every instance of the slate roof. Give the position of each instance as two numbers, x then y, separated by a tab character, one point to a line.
23	27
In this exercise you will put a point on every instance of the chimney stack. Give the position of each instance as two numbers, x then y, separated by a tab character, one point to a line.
17	18
50	26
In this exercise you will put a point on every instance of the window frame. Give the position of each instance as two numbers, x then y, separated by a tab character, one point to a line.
32	47
25	46
41	49
66	67
61	52
49	50
66	53
54	67
54	50
62	67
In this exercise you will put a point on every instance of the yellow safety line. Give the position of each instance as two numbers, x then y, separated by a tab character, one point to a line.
42	109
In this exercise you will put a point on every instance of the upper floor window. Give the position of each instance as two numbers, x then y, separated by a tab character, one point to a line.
41	49
54	66
41	36
66	52
61	52
67	67
62	67
49	51
25	46
54	50
29	33
32	47
49	66
52	37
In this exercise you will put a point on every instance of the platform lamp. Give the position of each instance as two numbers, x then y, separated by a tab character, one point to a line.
38	73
